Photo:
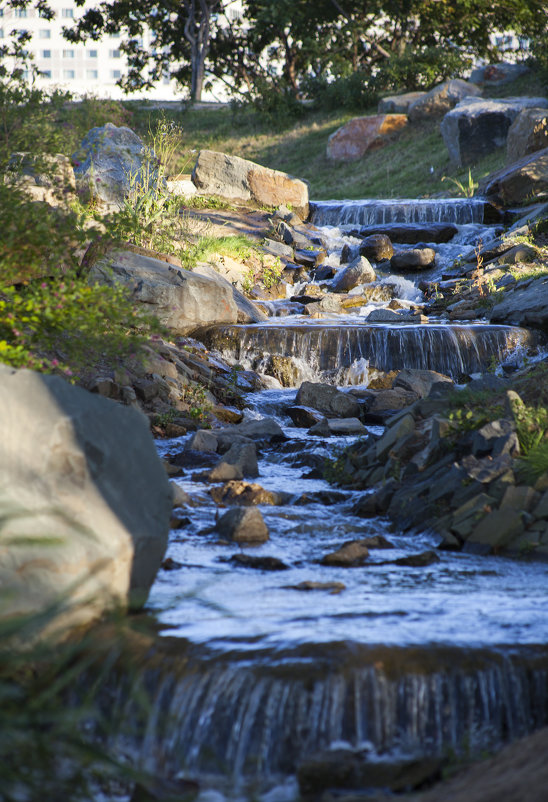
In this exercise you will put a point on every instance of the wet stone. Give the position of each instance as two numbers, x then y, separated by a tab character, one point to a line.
243	526
308	585
259	563
350	555
244	494
303	417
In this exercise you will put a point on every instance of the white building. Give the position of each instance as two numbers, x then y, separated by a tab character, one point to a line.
90	68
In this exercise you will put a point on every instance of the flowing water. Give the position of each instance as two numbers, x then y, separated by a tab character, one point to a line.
257	673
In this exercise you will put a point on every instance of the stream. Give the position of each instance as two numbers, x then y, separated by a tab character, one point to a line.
258	672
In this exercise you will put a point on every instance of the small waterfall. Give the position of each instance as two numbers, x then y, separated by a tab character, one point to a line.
239	720
377	212
330	351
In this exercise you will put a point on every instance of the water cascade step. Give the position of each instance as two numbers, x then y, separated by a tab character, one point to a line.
327	351
238	719
373	212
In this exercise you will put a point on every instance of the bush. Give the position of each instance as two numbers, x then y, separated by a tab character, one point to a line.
353	92
421	69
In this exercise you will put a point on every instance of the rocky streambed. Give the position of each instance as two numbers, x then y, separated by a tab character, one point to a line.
351	633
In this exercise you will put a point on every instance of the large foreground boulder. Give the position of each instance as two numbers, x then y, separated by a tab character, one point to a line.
352	140
86	502
476	127
519	182
181	299
441	99
108	161
239	179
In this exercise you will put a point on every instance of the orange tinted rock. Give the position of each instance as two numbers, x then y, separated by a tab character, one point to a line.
361	134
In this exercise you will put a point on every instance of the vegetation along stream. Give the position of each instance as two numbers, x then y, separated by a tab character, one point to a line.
276	652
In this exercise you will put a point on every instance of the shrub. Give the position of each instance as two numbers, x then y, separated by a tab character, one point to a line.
352	92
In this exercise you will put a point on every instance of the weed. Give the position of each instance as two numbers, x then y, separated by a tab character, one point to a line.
467	189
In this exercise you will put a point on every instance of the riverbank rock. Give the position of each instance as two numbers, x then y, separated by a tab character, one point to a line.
182	300
527	134
356	137
517	183
411	234
441	99
376	247
526	305
476	127
108	160
413	259
398	104
87	502
243	525
238	179
327	399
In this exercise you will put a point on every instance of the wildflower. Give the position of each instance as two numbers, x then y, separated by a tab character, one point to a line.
54	363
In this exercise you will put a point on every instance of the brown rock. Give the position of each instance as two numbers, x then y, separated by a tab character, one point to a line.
243	494
351	554
527	134
524	179
359	135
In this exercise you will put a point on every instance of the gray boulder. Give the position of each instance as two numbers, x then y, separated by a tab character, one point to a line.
327	399
244	457
248	312
107	161
413	259
182	300
357	272
442	98
238	179
516	184
243	525
86	502
398	104
476	127
524	306
500	73
527	134
420	381
385	316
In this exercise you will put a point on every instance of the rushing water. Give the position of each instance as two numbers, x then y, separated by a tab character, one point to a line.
373	212
258	674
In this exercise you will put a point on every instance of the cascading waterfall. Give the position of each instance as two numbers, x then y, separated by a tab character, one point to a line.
239	721
376	212
329	351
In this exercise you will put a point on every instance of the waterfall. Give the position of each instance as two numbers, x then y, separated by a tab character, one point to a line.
239	719
330	351
377	212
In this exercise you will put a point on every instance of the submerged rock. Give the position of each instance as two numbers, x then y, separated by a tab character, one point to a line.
243	525
349	555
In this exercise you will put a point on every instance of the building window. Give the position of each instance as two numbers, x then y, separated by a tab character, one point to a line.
92	54
115	74
67	13
21	13
68	53
1	33
68	74
92	75
46	73
114	53
45	53
44	34
1	12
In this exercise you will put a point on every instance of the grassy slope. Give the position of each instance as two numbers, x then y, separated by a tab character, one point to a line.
412	165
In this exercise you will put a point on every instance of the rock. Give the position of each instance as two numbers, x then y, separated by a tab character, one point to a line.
263	429
248	312
295	274
45	177
515	184
222	472
181	187
376	247
414	259
349	555
338	427
442	98
90	501
524	306
500	73
518	253
280	249
391	399
421	560
304	417
182	300
496	530
243	525
107	161
384	316
328	305
244	494
307	585
421	381
259	563
404	426
357	136
413	233
496	437
476	127
238	179
359	271
327	399
203	440
486	469
398	104
243	456
528	133
180	498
